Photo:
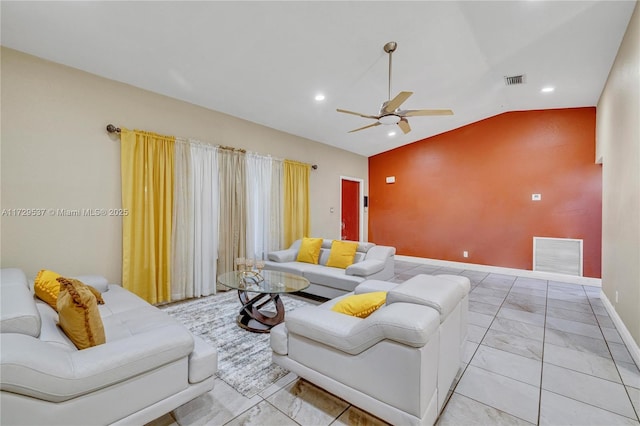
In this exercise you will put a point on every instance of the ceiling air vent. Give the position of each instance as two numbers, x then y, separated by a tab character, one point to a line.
514	79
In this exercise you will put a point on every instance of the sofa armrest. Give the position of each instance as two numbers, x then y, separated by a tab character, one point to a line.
406	323
281	256
287	255
383	253
38	369
365	268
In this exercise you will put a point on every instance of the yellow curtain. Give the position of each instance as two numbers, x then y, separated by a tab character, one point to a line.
296	201
147	161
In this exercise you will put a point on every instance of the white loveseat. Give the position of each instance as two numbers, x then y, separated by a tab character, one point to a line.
371	262
398	363
149	365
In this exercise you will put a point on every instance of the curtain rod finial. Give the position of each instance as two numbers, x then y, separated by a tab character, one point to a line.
112	129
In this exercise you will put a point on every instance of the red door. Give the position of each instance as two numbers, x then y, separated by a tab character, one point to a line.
350	210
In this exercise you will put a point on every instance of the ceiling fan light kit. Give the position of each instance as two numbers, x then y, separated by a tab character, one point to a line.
390	112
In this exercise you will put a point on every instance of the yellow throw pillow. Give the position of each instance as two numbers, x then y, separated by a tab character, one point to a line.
78	314
309	250
46	287
361	305
342	254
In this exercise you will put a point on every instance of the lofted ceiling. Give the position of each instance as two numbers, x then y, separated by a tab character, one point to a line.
266	61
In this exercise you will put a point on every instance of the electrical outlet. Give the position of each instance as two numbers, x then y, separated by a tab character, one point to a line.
465	254
536	197
616	296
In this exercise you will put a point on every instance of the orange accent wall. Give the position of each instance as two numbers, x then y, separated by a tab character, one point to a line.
470	189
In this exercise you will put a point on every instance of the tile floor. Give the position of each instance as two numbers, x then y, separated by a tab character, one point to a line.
538	352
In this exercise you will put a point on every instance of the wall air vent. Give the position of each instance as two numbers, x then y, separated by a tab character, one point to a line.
514	79
559	255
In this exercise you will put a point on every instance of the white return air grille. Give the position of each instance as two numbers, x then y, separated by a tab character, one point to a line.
559	255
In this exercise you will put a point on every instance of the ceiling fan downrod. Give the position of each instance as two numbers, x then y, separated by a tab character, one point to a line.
390	48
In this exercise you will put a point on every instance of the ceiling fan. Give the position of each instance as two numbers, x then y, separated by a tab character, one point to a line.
390	112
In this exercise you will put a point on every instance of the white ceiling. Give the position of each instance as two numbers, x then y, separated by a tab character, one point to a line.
265	61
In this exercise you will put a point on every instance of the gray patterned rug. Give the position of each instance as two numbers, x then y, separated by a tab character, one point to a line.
244	358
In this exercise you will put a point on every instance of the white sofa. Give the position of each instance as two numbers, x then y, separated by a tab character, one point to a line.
398	363
371	262
149	365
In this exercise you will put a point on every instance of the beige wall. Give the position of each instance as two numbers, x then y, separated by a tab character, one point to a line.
56	154
618	147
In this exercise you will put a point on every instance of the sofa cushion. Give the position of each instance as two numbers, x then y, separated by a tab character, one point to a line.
342	254
18	311
78	314
324	256
309	250
360	305
441	294
331	277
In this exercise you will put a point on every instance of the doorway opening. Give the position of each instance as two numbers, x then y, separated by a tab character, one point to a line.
351	209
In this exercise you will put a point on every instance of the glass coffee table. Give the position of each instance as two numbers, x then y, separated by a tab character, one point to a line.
259	291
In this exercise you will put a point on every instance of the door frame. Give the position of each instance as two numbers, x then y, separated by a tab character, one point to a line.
360	205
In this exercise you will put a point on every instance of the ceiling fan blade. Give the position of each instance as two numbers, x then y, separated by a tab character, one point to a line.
365	127
357	113
404	126
417	112
395	103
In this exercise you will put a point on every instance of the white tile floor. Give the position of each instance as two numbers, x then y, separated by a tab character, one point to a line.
538	352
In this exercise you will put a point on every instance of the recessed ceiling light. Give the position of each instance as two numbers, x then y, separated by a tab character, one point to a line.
319	97
548	89
391	133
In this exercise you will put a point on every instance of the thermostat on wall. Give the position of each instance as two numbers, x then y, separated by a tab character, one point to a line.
391	179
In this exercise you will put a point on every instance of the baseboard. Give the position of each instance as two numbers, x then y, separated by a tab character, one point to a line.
628	340
571	279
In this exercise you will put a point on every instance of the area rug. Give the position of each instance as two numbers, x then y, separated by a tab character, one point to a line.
244	358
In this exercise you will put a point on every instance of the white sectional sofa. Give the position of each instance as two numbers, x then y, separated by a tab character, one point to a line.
371	262
398	363
149	365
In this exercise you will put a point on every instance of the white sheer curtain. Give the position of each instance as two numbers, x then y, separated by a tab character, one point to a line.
195	222
276	235
182	238
258	169
204	165
264	205
207	177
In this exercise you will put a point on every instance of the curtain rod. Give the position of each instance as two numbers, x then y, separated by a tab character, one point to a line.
113	129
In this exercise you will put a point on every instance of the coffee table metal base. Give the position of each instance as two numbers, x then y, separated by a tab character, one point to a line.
254	317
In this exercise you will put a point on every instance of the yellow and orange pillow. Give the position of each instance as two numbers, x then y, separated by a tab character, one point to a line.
77	307
46	287
361	305
78	314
